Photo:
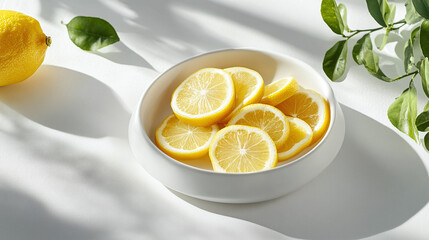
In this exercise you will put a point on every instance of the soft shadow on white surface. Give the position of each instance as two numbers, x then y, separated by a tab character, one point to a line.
68	101
376	183
24	217
56	186
169	29
122	54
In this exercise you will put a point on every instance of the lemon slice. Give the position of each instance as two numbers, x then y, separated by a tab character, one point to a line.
265	117
309	106
278	91
240	149
204	98
300	137
181	140
249	88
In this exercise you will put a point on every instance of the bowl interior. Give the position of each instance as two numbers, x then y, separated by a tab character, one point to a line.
155	105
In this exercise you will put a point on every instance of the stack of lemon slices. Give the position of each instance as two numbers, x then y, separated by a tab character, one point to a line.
241	123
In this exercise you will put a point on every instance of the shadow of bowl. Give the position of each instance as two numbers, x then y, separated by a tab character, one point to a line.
376	183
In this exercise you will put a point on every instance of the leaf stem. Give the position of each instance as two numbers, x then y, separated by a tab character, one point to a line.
350	36
368	30
406	75
354	32
396	28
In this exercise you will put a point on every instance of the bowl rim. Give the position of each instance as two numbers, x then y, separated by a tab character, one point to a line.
332	104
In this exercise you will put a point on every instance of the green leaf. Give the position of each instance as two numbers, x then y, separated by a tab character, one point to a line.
361	46
426	141
424	37
392	13
411	16
91	33
371	63
422	121
424	73
331	15
409	51
402	112
335	60
343	12
422	7
379	10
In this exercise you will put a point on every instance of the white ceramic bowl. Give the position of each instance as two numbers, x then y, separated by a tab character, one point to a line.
195	177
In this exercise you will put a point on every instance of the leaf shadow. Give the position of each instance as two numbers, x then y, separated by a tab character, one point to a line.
391	64
122	54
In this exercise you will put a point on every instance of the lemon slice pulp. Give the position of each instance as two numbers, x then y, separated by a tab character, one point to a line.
240	149
265	117
204	98
180	140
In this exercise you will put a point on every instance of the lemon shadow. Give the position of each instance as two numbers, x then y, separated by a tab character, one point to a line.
68	101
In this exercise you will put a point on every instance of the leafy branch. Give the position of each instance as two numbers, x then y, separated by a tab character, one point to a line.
402	112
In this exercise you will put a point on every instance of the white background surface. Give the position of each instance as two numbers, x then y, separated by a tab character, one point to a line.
66	170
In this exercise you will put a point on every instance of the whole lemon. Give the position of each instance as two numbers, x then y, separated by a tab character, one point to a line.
22	46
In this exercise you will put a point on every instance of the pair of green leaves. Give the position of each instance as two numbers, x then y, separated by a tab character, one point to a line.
381	11
363	54
335	16
335	60
91	33
383	14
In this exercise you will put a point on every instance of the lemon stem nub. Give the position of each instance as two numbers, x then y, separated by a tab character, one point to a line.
48	41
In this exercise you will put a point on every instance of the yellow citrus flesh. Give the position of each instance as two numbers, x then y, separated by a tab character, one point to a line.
249	88
300	137
309	106
204	98
278	91
241	149
265	117
181	140
22	46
